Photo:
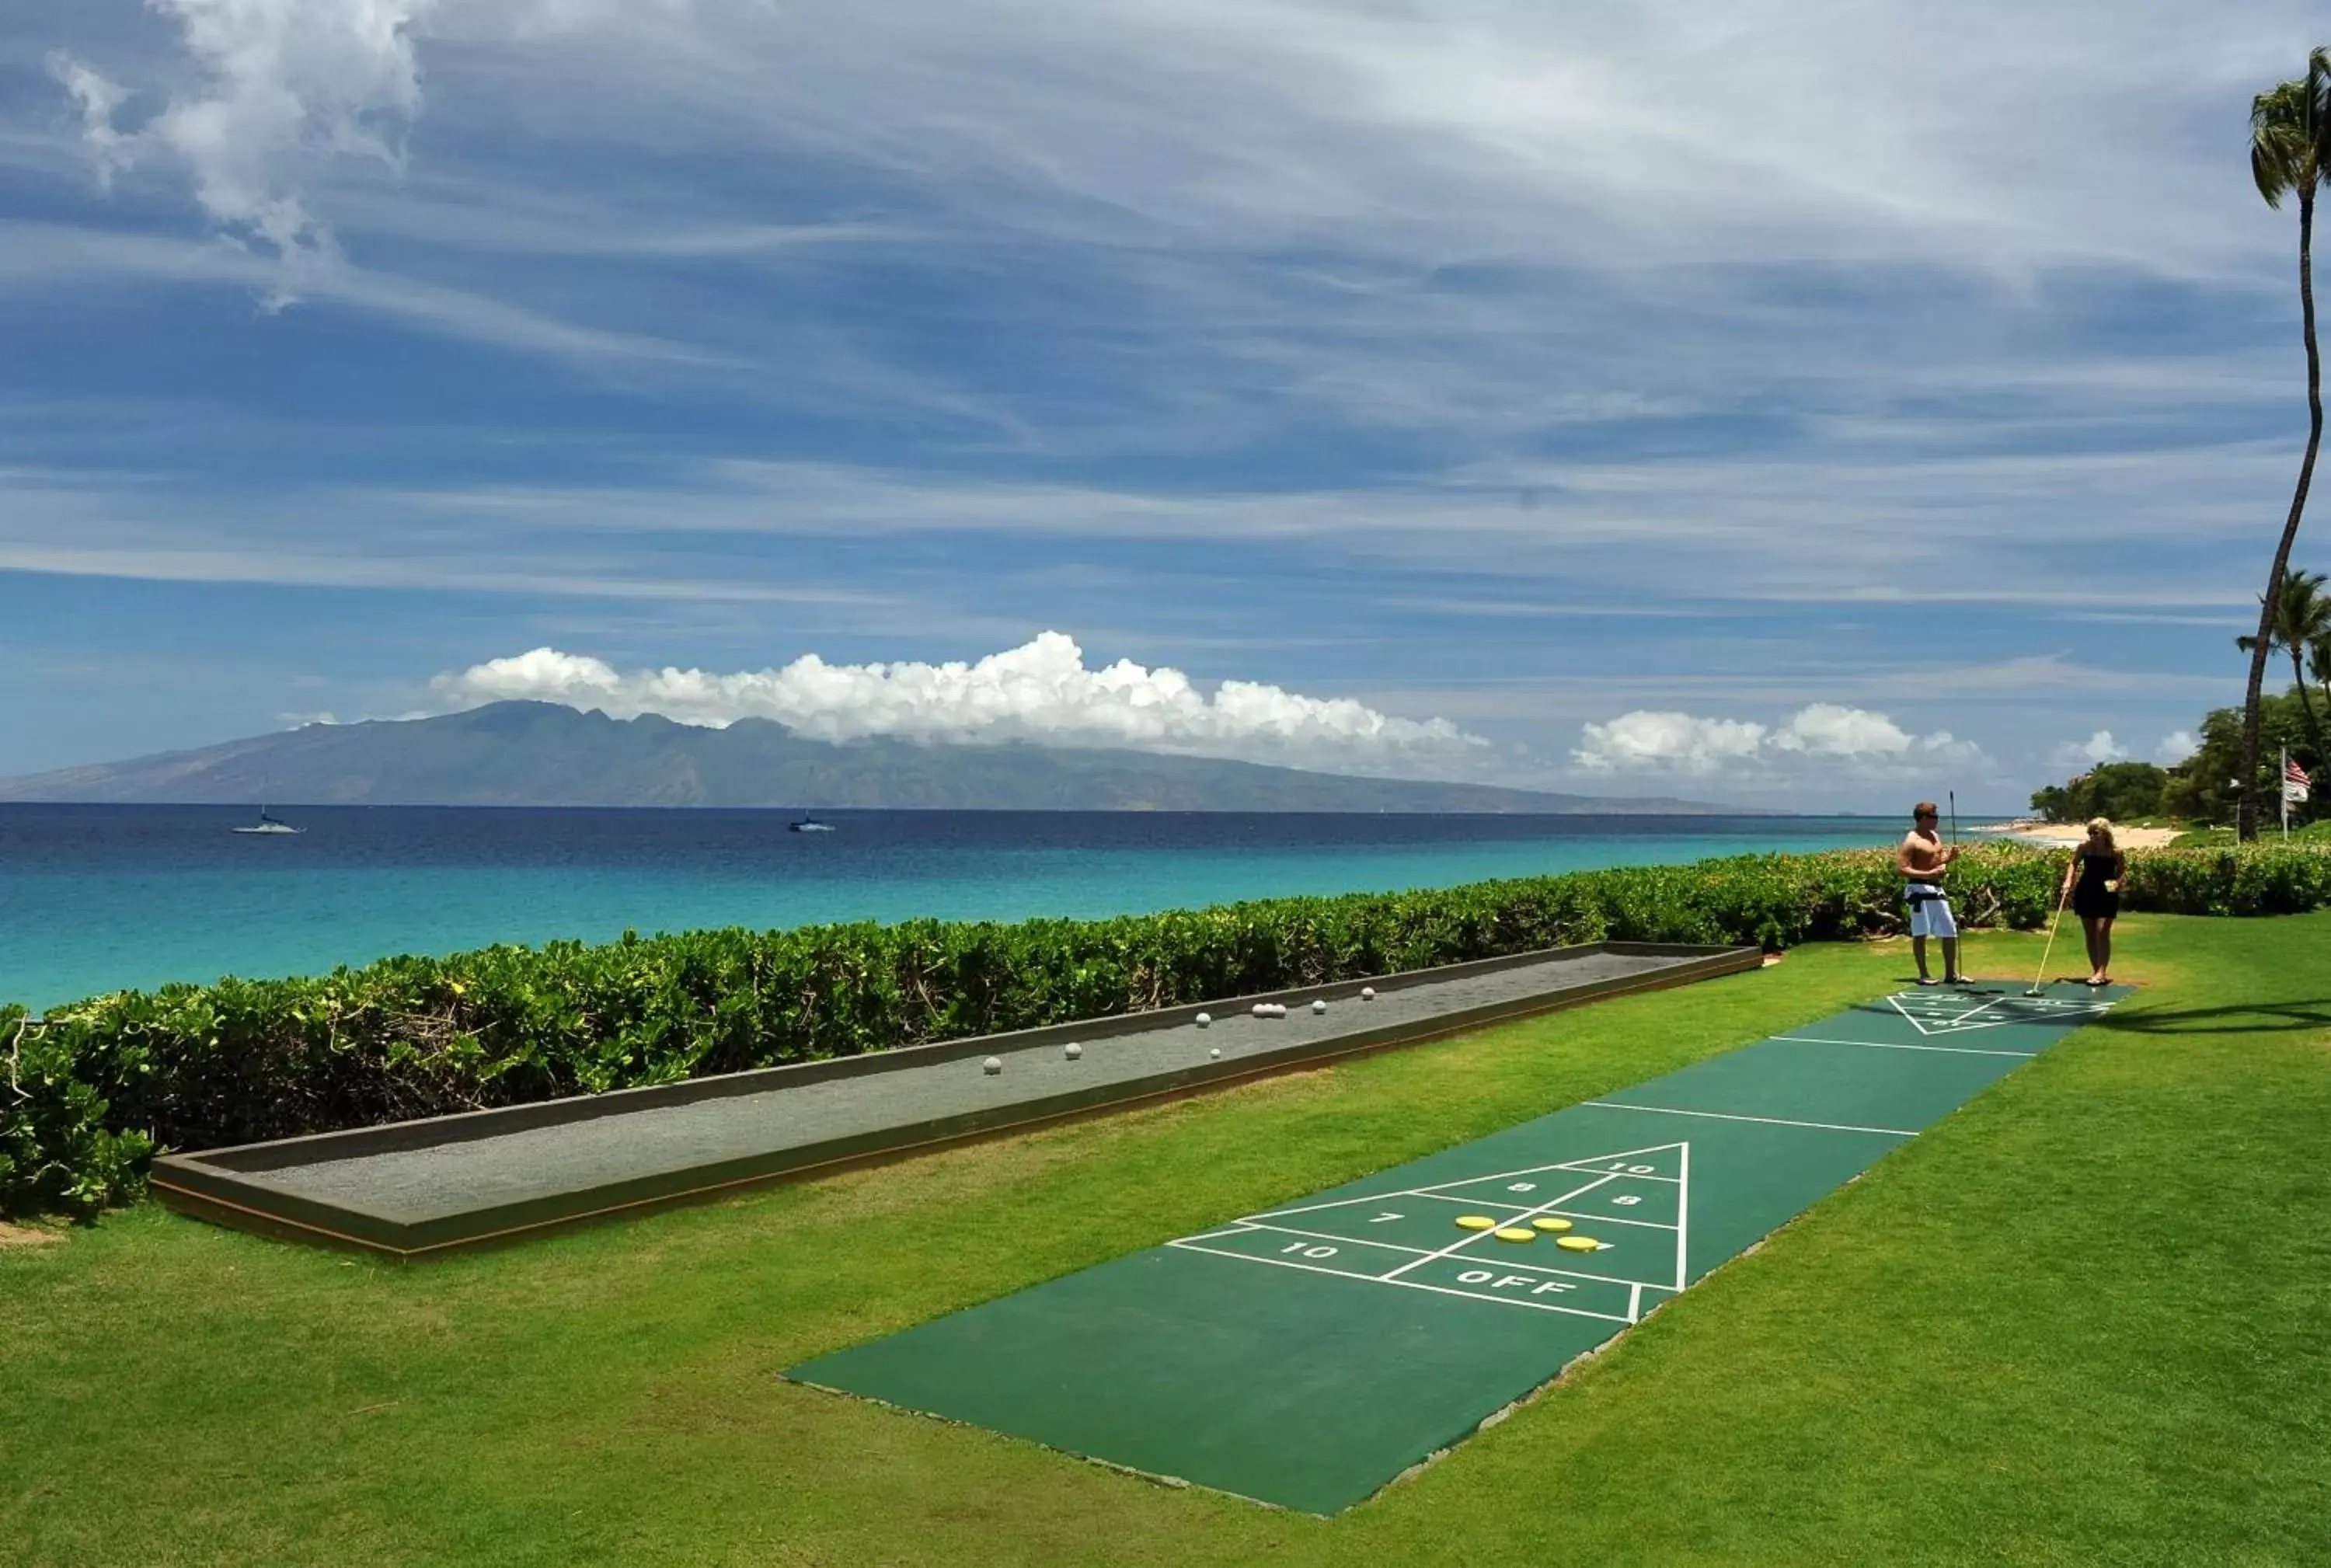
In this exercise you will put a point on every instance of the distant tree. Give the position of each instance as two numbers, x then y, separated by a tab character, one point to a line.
2290	155
2302	624
2118	790
2207	787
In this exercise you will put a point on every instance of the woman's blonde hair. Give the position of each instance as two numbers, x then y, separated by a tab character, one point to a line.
2102	828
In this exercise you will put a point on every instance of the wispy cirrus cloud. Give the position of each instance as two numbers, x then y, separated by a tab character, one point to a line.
1465	341
71	256
1657	133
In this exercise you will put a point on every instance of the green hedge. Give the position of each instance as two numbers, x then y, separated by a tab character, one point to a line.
95	1087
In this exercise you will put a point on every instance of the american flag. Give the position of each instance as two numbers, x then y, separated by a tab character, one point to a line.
2294	783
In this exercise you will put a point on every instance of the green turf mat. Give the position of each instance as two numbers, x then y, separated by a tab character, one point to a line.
1308	1354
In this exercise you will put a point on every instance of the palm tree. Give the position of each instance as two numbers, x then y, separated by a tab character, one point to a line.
2290	155
2302	627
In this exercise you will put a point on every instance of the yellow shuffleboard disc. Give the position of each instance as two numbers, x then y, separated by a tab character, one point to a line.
1551	1222
1476	1223
1578	1243
1516	1233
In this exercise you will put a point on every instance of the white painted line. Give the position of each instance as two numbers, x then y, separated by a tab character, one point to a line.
1769	1121
1476	1258
1439	1188
1467	1203
1384	1198
1683	1220
1578	1164
1588	1166
1412	1285
1609	1220
1250	1228
1253	1224
1938	1011
1516	1208
1897	1045
1546	1207
1421	1254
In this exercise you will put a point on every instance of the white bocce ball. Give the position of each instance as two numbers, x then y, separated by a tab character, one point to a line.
1072	1051
1204	1019
991	1066
1367	993
1279	1010
1320	1006
1216	1053
1262	1009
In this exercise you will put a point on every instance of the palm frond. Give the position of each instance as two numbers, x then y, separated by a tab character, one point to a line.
2302	614
2288	122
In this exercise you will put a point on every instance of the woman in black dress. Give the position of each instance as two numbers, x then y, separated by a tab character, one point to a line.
2093	879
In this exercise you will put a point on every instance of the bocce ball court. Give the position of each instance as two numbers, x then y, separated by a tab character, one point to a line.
420	1189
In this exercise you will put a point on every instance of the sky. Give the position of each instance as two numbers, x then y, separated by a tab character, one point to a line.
1808	403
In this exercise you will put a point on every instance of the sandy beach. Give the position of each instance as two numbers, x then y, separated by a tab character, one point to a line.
2064	835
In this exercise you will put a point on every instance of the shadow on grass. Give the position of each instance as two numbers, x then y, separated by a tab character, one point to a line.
2239	1018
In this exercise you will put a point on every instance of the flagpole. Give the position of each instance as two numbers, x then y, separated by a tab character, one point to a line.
2286	791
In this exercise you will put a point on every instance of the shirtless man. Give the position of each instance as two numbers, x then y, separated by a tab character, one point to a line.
1923	863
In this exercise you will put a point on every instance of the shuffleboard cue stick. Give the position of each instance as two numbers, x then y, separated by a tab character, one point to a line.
2061	900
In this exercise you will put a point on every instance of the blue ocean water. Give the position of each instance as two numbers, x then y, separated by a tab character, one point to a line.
96	898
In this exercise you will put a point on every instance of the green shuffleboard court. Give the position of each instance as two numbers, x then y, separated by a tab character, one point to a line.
1308	1354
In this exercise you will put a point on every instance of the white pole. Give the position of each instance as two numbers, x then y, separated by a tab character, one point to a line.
2282	786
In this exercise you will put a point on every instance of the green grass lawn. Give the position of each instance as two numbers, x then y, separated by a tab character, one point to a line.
2085	1320
2270	833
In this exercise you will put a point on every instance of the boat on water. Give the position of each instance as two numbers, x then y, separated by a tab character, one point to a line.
809	824
268	824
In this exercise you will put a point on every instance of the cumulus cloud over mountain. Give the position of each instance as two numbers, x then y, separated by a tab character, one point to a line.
1836	737
1041	691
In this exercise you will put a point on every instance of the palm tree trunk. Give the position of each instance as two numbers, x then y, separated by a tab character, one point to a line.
2246	821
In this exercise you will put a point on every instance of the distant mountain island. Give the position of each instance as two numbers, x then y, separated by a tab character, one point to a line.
542	753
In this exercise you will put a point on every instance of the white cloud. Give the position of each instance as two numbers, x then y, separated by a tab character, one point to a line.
1629	135
2175	748
1827	730
1459	222
285	88
1862	741
1674	741
98	101
2100	747
35	252
1041	691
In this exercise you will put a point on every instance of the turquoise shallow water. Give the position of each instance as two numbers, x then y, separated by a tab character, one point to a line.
99	898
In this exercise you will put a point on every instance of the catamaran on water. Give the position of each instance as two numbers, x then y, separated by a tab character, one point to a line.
268	824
